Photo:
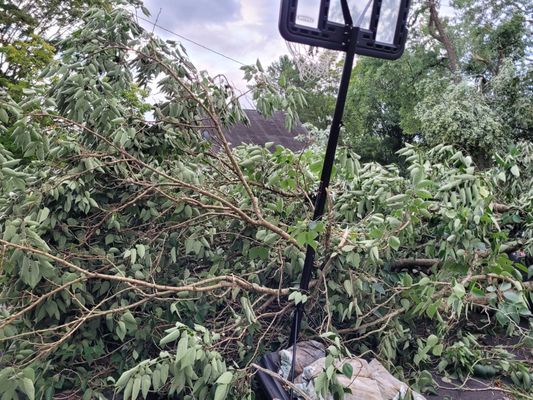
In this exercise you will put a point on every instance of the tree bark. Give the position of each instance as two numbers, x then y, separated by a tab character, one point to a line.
414	262
438	32
500	208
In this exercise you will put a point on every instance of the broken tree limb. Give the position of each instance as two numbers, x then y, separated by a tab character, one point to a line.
500	208
414	262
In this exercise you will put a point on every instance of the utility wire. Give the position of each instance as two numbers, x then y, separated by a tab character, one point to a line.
208	48
191	41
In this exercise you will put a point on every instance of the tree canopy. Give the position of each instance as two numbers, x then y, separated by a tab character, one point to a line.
320	92
470	69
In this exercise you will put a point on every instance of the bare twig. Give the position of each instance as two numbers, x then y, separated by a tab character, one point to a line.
278	377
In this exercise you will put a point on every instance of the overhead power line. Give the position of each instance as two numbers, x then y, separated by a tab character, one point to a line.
191	41
155	24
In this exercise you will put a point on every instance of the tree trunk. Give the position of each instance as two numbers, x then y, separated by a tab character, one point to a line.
438	32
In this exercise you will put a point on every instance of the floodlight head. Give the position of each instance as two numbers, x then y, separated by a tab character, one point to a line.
375	28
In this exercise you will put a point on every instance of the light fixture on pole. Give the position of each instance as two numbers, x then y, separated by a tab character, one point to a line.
374	28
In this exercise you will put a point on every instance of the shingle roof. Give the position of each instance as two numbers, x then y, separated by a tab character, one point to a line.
263	130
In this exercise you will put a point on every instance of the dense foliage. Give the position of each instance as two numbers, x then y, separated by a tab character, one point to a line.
136	256
320	92
28	32
465	74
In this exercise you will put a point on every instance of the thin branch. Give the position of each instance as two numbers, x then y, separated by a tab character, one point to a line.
278	377
223	281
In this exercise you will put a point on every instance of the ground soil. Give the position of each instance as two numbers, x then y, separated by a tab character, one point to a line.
473	389
483	389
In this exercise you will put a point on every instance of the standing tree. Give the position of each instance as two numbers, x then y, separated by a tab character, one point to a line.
30	32
463	81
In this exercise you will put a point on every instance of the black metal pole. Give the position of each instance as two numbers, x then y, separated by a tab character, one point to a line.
320	201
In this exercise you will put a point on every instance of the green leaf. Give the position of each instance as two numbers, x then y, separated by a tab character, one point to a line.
512	296
432	309
125	377
87	395
188	358
477	291
296	297
396	199
437	350
259	66
182	347
374	252
459	290
30	272
271	238
170	337
9	232
27	386
330	370
3	116
348	287
136	388
156	379
29	373
348	248
505	286
109	238
127	390
394	242
221	392
248	310
432	340
347	370
121	330
207	372
43	214
133	255
145	385
321	383
164	373
225	378
354	259
129	319
259	252
141	250
424	281
417	358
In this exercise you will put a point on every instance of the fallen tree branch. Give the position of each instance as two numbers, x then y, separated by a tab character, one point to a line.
223	281
427	263
414	262
260	221
35	303
500	208
361	327
527	286
484	389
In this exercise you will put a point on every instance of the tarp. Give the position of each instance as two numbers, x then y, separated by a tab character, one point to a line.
369	381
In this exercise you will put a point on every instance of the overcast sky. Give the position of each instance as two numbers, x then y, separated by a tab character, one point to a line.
245	30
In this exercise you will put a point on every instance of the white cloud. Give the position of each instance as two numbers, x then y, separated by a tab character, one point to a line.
245	30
